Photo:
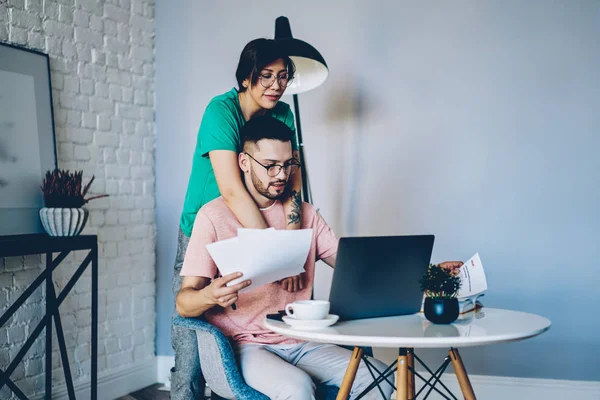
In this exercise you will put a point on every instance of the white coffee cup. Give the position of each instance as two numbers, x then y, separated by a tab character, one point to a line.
308	309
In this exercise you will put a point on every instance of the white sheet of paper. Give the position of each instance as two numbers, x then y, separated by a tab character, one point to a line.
262	255
225	253
472	277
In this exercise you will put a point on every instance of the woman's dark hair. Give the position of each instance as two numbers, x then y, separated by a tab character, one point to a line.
256	55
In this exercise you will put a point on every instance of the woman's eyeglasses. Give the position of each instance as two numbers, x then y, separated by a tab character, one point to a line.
267	80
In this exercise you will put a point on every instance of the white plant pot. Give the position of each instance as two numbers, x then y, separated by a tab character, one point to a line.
63	221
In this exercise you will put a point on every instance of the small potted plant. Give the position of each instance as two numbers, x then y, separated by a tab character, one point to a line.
64	198
440	286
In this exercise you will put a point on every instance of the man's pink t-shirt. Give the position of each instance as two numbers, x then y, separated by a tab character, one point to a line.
216	222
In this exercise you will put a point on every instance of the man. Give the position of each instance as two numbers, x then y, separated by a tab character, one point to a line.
273	364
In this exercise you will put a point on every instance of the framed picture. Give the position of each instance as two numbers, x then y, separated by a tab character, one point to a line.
27	142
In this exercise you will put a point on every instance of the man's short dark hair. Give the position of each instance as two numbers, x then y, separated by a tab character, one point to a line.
265	127
256	55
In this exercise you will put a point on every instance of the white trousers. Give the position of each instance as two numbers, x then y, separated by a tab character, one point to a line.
290	371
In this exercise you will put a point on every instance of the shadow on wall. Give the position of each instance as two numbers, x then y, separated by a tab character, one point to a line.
348	112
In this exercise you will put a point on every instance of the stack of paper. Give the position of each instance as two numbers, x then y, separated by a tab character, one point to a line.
262	255
473	284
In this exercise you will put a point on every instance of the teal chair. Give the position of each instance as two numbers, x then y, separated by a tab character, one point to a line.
220	368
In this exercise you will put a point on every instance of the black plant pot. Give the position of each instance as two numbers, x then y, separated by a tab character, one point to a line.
441	311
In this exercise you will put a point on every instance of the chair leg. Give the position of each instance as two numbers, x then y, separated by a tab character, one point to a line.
411	375
348	380
402	376
461	375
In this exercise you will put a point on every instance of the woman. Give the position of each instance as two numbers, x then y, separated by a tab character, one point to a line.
263	74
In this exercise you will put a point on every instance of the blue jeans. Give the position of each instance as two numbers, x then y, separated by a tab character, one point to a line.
187	382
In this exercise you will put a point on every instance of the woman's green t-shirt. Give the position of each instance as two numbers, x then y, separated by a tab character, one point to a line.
219	130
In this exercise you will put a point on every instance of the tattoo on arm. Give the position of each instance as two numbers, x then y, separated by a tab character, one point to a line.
294	216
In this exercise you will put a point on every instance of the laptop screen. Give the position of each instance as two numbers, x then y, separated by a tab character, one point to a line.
379	276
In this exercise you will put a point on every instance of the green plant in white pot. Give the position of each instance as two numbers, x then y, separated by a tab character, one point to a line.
64	198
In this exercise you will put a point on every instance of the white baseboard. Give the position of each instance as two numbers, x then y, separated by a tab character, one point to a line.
163	370
501	387
485	387
112	385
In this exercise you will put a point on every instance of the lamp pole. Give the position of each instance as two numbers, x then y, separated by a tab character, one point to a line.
312	68
306	194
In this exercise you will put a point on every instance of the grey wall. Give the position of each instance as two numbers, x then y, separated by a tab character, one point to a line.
475	121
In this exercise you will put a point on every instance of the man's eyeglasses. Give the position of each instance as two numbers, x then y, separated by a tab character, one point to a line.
291	167
267	80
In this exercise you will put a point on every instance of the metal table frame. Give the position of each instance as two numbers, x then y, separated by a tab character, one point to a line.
23	245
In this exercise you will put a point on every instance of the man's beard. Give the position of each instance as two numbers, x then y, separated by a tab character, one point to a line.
258	185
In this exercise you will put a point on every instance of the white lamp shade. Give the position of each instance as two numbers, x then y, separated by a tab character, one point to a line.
311	68
309	74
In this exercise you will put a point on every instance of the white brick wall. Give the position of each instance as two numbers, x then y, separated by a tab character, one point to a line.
101	60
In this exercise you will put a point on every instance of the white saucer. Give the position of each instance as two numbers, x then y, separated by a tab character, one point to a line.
308	324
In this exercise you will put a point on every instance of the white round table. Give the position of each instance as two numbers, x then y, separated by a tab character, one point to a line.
487	325
481	327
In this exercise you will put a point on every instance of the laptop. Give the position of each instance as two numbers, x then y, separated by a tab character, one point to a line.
379	276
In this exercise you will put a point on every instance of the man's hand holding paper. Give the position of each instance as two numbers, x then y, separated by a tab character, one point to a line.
218	293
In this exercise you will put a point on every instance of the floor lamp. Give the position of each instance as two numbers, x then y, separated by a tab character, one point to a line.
311	72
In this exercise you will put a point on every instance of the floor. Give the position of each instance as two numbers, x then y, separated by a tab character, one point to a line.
154	392
149	393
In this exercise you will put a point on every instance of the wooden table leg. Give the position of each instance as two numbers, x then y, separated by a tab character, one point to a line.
461	375
402	376
348	380
411	375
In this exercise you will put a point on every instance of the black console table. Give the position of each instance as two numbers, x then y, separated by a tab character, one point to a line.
23	245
